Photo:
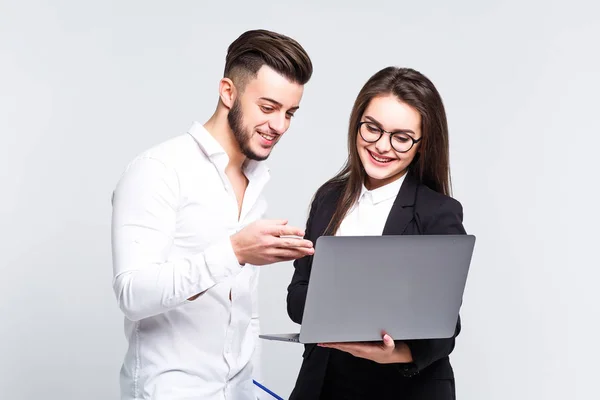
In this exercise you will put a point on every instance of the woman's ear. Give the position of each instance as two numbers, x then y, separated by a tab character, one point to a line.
415	160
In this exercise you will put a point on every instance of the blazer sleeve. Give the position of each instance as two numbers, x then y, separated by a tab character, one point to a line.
447	220
296	297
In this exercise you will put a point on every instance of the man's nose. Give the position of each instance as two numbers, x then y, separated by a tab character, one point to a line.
279	123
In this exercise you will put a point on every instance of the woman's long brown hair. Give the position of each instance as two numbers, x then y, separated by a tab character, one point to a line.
431	164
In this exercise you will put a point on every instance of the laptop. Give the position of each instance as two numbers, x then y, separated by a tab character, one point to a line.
410	286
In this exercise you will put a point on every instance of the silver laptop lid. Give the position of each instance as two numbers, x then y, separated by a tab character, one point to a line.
409	286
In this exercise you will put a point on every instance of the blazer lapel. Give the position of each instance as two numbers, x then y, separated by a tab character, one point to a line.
402	211
401	214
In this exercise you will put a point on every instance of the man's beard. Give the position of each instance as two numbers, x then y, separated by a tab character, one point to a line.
242	135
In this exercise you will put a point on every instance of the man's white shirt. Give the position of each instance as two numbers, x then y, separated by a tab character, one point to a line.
174	211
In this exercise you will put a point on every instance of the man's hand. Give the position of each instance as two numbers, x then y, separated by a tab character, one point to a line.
385	352
267	242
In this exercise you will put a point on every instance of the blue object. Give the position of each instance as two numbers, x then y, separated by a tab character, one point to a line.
267	390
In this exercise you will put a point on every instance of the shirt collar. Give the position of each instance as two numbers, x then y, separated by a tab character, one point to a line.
215	152
208	144
385	192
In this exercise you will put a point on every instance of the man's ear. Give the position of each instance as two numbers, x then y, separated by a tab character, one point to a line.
227	92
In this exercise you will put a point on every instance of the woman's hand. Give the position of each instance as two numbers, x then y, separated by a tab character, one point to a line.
385	352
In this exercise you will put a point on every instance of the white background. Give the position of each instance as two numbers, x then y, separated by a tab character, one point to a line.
84	86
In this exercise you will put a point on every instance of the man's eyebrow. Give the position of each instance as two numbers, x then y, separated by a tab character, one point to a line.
381	126
278	104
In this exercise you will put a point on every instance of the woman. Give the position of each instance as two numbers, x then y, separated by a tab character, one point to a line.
396	181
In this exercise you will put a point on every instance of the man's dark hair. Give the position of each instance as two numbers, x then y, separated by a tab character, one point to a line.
255	48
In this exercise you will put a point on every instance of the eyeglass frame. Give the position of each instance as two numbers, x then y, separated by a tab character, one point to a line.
382	131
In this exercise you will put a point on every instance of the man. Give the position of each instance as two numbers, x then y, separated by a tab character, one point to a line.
187	233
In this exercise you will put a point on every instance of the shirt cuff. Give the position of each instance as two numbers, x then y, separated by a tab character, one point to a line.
419	350
221	260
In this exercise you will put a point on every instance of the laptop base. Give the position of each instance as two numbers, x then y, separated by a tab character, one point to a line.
283	337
